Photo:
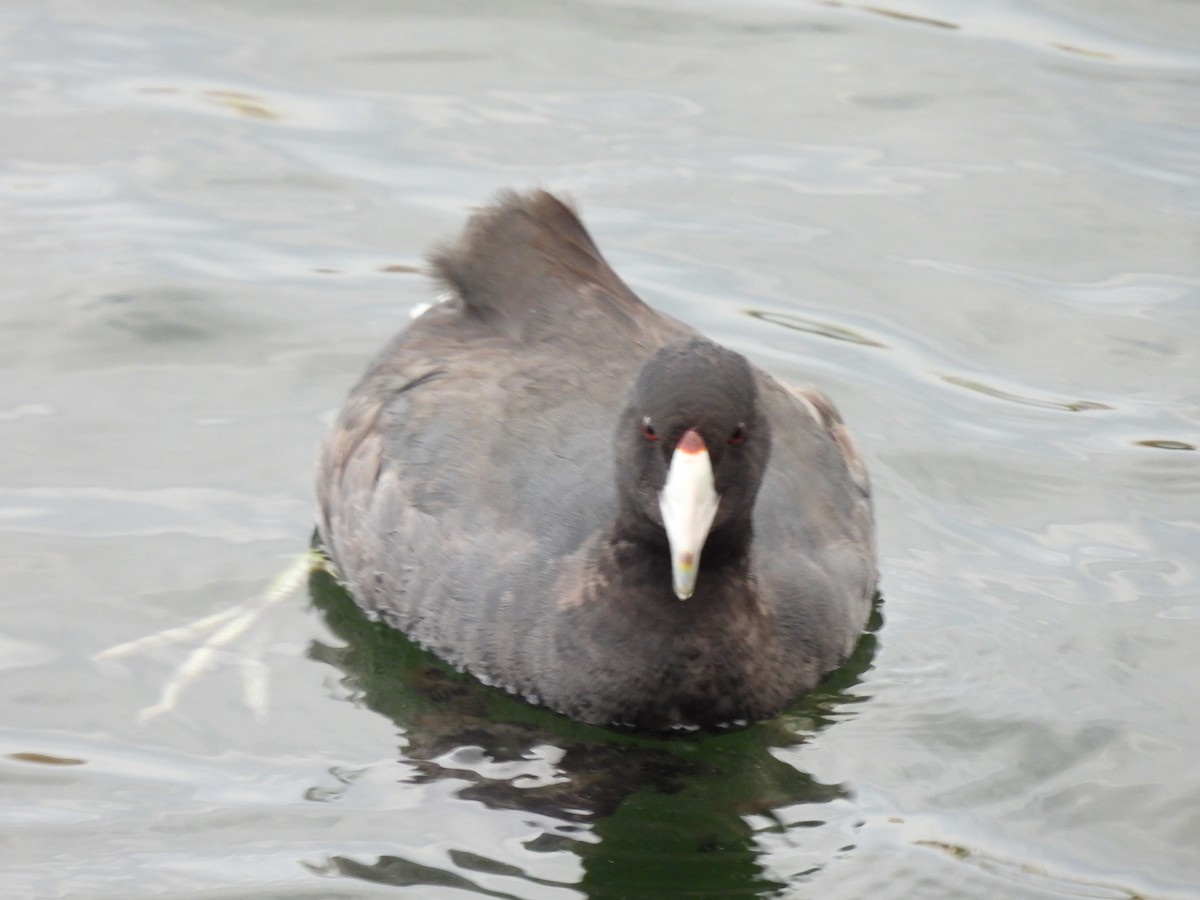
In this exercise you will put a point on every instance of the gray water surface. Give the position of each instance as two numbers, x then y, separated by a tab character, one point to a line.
976	226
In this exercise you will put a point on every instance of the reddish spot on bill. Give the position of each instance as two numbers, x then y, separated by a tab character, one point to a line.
691	442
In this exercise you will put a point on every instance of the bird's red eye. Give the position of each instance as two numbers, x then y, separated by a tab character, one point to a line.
738	436
648	431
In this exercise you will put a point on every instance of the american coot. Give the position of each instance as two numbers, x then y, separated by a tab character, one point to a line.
572	496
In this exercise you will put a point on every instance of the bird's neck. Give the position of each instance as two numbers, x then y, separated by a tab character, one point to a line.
641	550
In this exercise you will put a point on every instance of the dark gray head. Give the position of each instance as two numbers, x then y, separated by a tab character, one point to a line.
691	450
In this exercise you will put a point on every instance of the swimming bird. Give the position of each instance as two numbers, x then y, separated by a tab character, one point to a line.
570	495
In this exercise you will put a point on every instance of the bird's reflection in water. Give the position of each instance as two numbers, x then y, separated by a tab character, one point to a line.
647	815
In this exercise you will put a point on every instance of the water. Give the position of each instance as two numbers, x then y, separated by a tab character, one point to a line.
976	226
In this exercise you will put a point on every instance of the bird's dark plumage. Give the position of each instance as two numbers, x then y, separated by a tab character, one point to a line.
492	488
